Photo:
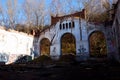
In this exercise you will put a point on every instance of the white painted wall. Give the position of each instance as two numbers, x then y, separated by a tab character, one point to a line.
15	43
55	48
81	43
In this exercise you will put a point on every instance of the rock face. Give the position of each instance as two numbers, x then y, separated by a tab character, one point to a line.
116	29
14	44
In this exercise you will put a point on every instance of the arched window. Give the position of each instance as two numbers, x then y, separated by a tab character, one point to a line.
66	25
70	25
45	46
60	26
63	26
97	43
73	24
68	44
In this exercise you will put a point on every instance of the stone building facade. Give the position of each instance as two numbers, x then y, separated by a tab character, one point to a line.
81	30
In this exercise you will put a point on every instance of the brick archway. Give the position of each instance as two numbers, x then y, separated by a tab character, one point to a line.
45	47
97	44
68	44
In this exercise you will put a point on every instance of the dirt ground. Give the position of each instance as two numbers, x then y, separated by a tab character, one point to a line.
93	70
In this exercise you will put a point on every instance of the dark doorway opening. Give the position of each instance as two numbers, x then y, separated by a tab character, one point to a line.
68	44
45	47
97	44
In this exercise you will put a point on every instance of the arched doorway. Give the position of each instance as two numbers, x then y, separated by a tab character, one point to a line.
45	47
97	44
68	44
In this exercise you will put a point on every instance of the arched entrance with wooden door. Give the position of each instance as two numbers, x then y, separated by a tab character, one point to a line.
45	47
97	45
68	44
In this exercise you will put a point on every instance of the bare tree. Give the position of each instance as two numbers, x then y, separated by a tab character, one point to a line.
94	9
55	8
28	12
79	3
64	7
12	12
1	13
106	4
2	16
0	10
70	6
35	12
